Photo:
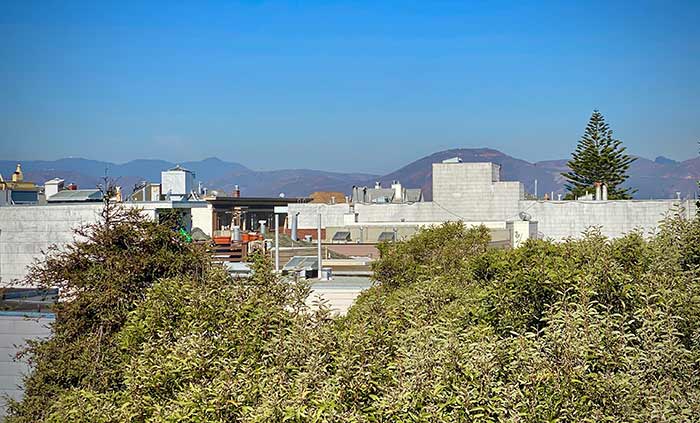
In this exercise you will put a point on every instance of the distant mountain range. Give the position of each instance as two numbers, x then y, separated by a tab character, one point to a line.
660	178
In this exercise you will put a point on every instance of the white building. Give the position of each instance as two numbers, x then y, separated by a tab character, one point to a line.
473	193
177	183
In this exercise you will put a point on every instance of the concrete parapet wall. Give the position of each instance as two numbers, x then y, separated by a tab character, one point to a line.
26	231
561	219
333	214
15	330
415	212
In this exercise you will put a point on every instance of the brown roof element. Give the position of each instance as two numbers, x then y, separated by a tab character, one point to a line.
328	197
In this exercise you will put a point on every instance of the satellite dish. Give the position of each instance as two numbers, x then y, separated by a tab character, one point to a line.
525	216
281	195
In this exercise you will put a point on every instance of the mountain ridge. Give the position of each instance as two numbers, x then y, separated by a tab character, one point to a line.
658	178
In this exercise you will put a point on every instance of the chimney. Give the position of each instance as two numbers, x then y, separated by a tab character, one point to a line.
597	191
72	186
237	191
605	192
398	192
377	185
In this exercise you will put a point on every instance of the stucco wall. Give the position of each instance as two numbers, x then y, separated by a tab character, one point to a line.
562	219
15	330
333	215
202	218
26	231
474	192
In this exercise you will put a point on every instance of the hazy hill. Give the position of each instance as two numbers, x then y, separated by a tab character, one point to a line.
213	172
660	178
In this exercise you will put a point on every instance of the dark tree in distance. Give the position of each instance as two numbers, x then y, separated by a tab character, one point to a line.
598	158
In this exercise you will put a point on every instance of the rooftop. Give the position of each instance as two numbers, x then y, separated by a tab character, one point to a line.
78	195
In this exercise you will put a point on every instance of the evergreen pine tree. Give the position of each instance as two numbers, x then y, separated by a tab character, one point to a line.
599	158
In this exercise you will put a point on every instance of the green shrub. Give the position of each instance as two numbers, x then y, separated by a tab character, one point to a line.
586	330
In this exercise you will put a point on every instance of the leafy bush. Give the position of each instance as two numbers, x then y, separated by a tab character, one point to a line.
102	277
585	330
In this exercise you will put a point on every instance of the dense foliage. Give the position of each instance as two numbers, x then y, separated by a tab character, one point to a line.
585	330
599	158
102	277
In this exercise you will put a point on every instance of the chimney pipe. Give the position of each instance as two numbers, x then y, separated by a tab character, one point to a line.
320	258
295	223
236	191
605	192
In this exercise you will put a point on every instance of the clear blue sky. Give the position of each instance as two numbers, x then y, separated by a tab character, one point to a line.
359	86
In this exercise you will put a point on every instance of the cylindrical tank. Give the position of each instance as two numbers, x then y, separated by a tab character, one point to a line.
236	237
295	222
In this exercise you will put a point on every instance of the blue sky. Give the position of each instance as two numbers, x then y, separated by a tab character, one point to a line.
350	86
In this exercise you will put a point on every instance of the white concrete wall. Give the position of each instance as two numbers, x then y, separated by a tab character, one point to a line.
26	231
473	191
202	218
333	215
15	330
561	219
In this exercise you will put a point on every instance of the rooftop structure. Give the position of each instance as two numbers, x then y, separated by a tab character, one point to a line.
76	196
53	187
223	213
475	194
17	191
177	183
146	191
396	194
328	197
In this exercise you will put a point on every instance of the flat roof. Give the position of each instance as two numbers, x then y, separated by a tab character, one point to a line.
256	201
84	195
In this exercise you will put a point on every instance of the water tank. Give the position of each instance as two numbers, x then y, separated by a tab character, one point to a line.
236	236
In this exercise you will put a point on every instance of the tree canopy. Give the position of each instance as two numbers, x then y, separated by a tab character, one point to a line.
598	158
102	276
590	329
